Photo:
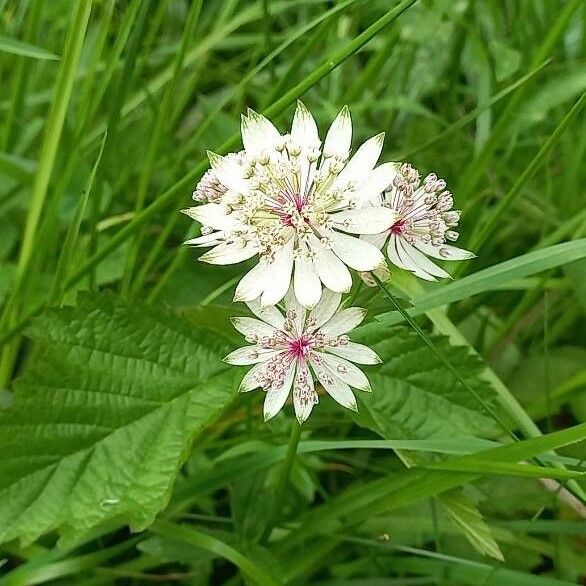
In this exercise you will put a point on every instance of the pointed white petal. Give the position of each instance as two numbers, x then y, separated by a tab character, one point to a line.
423	262
252	285
362	163
304	129
275	398
278	275
445	251
357	254
213	215
339	135
306	282
258	134
325	309
343	321
269	314
370	191
250	355
252	328
336	388
346	371
228	172
377	240
251	378
398	258
373	220
355	352
207	239
228	254
331	270
407	262
304	395
293	306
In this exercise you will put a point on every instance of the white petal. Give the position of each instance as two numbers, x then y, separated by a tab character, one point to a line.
444	251
372	220
250	355
331	270
228	254
398	258
343	321
258	134
336	388
423	262
399	255
377	240
362	163
325	309
339	135
355	352
304	129
207	239
252	284
304	395
292	305
251	327
278	275
356	253
228	172
213	215
346	371
306	282
269	314
275	398
376	182
250	382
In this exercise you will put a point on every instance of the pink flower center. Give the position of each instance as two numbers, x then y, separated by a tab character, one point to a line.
299	347
398	227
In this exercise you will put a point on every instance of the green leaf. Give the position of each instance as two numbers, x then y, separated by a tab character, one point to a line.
414	396
16	47
465	515
104	415
494	277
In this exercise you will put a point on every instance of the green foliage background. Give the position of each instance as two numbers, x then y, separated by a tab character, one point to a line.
126	456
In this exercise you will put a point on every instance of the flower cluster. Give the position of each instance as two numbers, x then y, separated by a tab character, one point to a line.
311	211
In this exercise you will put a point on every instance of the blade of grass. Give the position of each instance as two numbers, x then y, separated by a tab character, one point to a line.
482	234
169	197
214	545
492	278
403	488
54	128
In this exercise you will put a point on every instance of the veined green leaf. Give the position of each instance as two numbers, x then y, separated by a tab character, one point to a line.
104	416
493	278
464	513
414	396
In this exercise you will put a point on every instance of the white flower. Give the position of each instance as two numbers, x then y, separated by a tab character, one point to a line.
424	222
295	204
291	350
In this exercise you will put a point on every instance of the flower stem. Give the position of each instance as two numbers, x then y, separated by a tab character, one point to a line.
283	481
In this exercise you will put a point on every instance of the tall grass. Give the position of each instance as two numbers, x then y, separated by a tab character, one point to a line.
107	110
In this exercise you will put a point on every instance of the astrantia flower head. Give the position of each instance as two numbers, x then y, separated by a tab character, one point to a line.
291	351
296	203
423	224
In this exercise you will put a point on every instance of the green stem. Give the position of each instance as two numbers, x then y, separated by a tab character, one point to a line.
277	503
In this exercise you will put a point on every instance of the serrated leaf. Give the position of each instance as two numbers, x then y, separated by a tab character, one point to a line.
414	396
104	415
465	515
